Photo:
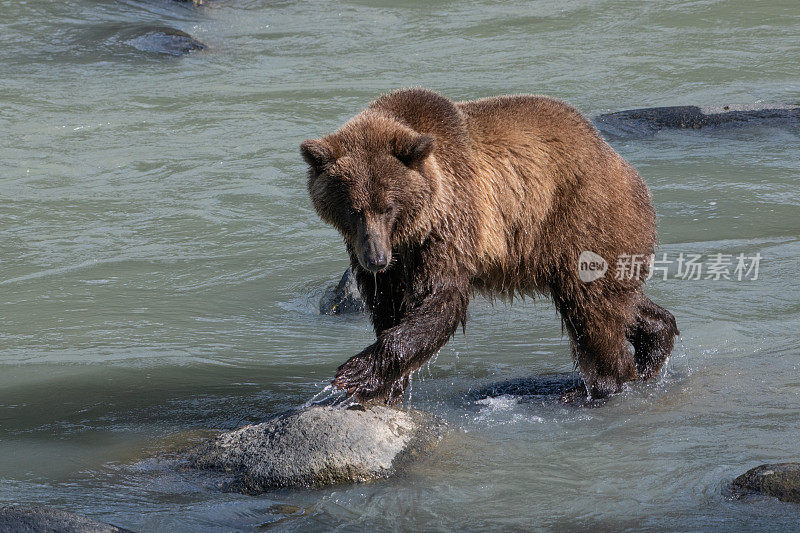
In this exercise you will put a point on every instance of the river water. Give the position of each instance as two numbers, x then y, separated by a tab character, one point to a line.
160	261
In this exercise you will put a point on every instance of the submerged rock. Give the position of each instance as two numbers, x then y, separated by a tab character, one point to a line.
343	298
566	387
547	385
317	446
35	519
650	120
780	480
165	40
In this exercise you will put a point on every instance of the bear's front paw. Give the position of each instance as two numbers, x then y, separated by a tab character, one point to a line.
361	377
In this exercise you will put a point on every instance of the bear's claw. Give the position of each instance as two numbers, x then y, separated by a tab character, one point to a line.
360	377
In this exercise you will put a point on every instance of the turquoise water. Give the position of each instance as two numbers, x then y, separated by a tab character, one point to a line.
160	261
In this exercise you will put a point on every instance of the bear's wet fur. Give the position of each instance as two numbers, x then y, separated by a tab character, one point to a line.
437	200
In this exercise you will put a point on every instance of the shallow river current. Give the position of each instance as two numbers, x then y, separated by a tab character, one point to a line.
161	263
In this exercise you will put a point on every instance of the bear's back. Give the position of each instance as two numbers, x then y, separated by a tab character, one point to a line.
518	119
542	176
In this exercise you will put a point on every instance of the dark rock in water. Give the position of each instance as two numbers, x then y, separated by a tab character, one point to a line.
317	446
555	385
283	512
780	480
343	298
653	119
35	519
165	40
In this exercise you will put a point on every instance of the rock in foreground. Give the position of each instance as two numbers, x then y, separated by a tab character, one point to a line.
780	480
317	446
24	519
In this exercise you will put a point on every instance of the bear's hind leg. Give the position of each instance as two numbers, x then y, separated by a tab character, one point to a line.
602	353
652	336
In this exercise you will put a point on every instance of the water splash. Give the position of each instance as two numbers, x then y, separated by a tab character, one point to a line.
430	361
345	403
684	357
329	399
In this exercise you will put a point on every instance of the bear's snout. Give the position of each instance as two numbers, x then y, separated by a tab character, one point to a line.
374	249
374	256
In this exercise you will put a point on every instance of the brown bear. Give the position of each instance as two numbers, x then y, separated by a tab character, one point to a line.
437	200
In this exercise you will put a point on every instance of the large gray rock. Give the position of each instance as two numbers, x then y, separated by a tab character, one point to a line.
780	480
650	120
317	446
25	519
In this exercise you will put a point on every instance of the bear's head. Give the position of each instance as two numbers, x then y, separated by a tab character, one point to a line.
372	180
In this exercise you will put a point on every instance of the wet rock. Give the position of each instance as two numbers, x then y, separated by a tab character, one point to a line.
780	480
650	120
317	446
343	298
282	513
35	519
548	385
164	40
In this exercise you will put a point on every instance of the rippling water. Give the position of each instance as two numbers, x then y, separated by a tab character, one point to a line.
160	262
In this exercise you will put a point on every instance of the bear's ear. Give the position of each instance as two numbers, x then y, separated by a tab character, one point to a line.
317	153
413	152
